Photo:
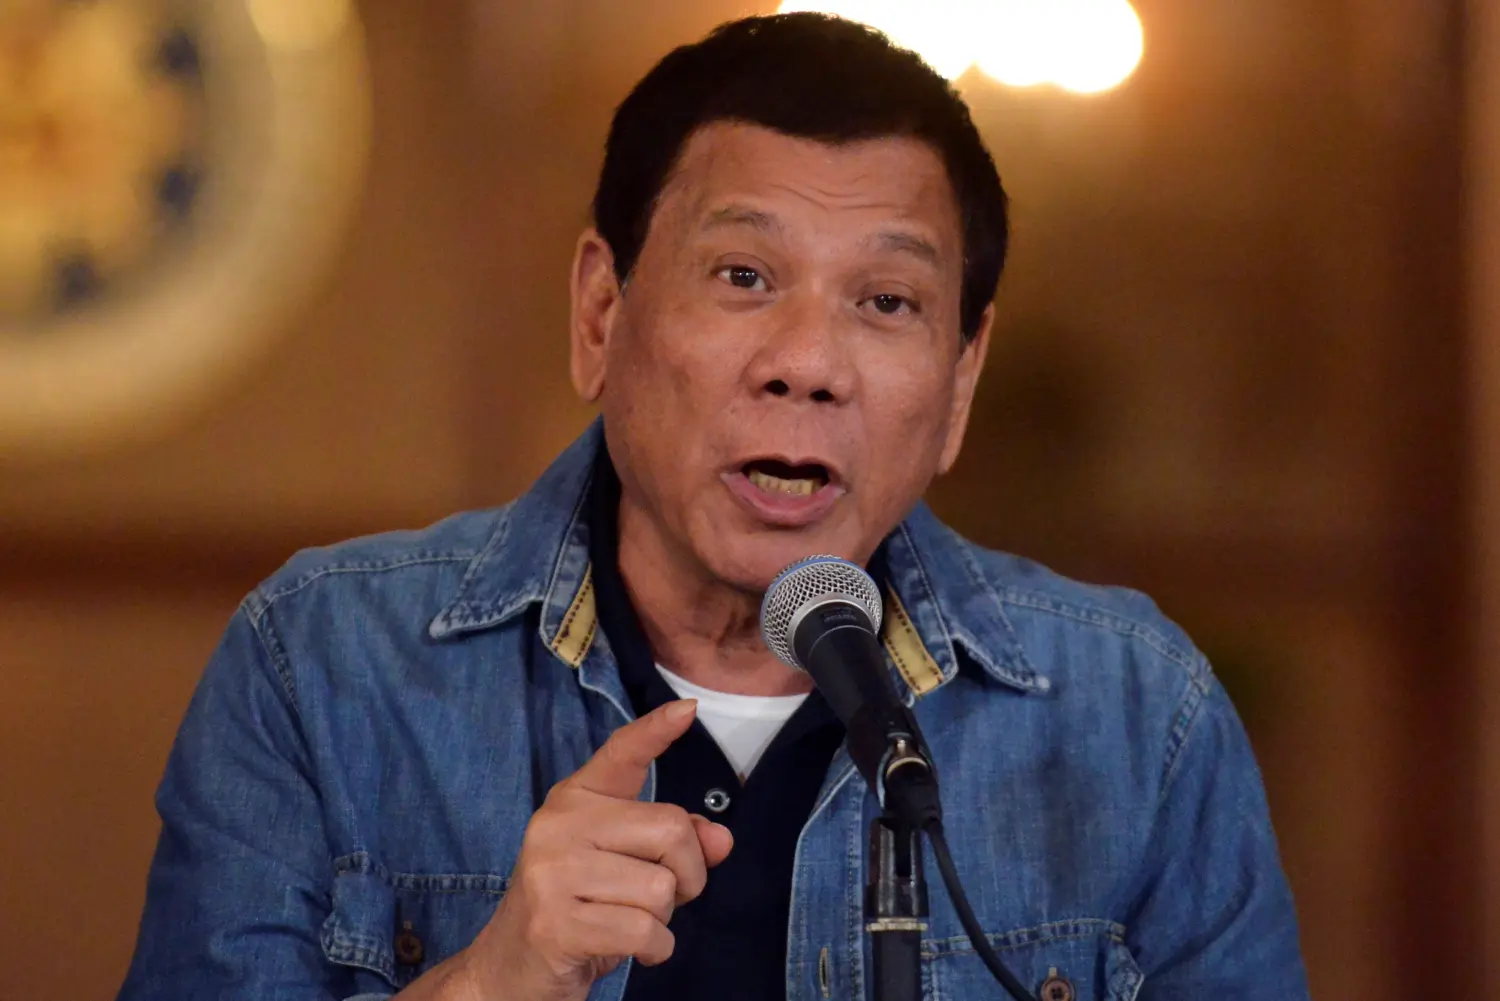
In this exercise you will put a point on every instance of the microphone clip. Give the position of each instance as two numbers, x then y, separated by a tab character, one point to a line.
906	785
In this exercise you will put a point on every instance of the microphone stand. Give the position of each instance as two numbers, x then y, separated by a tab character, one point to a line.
896	908
822	615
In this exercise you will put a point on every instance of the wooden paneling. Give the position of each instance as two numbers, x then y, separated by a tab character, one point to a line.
1483	706
95	681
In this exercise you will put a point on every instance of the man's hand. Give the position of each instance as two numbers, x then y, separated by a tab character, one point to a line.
597	880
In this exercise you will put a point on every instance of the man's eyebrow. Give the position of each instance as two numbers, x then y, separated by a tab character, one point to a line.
908	243
892	240
740	215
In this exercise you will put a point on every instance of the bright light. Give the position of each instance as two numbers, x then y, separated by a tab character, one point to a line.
1080	45
1022	39
927	27
1103	46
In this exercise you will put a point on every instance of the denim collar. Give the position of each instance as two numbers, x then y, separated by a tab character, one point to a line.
938	600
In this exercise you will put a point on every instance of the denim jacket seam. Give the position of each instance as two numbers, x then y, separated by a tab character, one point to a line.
265	635
968	554
921	564
360	863
1189	711
357	863
258	604
570	531
1112	621
496	539
268	598
1019	938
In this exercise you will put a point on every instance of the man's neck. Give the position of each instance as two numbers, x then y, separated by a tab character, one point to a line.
702	630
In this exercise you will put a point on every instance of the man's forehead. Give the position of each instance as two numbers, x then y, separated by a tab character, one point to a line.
733	174
738	152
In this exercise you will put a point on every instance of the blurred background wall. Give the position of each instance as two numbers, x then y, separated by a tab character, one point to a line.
1246	362
1482	163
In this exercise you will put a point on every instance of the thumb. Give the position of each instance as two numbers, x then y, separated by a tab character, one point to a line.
714	839
618	768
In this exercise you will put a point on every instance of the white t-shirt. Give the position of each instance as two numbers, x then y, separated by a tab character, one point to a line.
742	725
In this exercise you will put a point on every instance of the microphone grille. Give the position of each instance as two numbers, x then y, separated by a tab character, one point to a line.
805	582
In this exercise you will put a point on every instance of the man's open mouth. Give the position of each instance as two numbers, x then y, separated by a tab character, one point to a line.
775	476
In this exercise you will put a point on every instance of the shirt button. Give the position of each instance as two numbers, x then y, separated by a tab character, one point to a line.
408	947
1055	988
717	800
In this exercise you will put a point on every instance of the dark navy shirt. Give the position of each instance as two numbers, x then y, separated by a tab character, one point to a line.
731	941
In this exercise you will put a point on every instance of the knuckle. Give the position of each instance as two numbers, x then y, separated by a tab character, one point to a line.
556	823
542	830
548	877
639	929
559	799
662	944
693	885
662	886
673	822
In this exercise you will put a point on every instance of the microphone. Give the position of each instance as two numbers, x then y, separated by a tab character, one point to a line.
822	615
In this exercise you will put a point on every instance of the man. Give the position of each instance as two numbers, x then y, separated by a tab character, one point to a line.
454	764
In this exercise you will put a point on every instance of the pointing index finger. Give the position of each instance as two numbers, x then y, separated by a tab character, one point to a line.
619	768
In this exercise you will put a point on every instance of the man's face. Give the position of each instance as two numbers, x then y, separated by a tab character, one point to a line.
784	374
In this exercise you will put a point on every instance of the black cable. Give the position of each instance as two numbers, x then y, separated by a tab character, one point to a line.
939	842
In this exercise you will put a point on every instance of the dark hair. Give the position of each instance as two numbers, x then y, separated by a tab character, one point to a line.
811	76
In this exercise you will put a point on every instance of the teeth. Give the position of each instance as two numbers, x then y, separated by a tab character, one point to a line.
768	482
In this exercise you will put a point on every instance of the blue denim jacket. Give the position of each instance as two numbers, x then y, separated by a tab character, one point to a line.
351	784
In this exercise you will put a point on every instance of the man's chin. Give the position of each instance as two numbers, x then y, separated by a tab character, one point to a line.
750	564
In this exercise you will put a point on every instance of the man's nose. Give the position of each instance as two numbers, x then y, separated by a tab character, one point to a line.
805	355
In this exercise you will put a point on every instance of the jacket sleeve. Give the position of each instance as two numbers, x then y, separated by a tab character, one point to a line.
1214	916
240	884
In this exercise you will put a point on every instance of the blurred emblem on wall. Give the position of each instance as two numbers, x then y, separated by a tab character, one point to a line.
175	175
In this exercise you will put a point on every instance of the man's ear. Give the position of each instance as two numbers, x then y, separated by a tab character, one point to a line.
596	296
965	382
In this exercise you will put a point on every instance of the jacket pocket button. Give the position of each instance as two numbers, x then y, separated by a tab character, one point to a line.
1056	988
408	947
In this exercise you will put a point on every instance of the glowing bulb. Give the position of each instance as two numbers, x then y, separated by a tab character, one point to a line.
1084	46
1081	45
934	29
1104	46
1021	41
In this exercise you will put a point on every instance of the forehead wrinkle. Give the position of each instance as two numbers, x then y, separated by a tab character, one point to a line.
855	198
703	204
898	241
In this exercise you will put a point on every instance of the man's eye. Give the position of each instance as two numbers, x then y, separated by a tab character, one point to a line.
742	277
892	305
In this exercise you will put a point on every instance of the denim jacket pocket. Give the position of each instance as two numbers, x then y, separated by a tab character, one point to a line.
389	928
1080	960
